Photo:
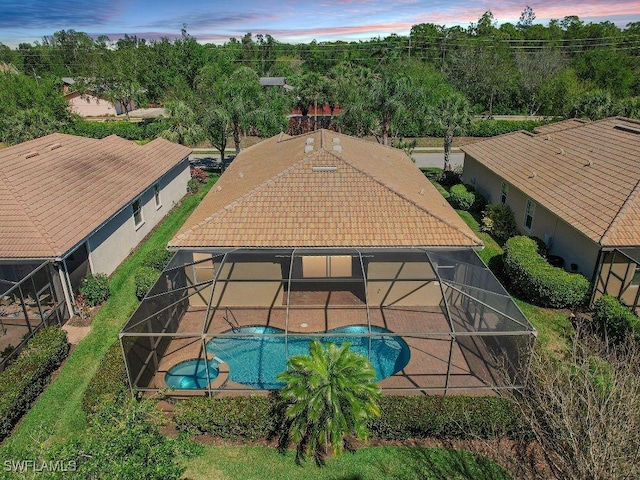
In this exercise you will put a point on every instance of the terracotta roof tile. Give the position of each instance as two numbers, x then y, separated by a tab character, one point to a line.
55	190
276	194
586	173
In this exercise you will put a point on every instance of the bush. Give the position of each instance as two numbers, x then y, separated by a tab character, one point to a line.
158	258
401	417
449	178
245	417
542	247
460	198
199	174
144	279
535	281
432	173
95	289
193	185
614	319
23	380
499	221
455	417
480	202
109	382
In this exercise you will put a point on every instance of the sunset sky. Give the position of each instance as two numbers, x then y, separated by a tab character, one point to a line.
288	21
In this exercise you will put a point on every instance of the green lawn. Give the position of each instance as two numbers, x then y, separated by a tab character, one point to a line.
406	463
58	411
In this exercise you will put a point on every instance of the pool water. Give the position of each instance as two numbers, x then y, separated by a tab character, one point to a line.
191	374
257	361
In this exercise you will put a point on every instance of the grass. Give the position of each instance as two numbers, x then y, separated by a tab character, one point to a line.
58	411
364	464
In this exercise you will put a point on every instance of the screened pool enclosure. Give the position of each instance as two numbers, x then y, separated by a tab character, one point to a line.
225	321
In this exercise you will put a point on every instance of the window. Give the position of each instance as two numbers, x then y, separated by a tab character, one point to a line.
137	213
156	195
528	216
505	191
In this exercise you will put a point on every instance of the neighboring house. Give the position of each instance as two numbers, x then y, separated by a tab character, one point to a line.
576	185
7	68
84	204
321	235
275	82
89	105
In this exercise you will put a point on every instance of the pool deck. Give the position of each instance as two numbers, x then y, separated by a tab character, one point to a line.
425	329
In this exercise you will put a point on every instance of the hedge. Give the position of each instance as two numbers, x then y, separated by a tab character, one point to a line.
128	130
144	278
460	198
109	381
535	281
401	417
614	319
23	380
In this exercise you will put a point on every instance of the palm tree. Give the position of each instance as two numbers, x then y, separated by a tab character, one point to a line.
453	116
329	394
183	128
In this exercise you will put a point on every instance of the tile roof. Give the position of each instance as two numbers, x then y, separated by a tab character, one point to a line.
585	173
323	189
56	190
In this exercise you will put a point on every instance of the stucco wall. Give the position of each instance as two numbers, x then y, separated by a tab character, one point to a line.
568	242
87	105
110	245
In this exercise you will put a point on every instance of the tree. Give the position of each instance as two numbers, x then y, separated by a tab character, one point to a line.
453	117
381	106
239	96
526	18
183	128
217	126
329	394
584	411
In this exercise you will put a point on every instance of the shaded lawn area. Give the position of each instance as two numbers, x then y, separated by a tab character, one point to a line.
58	411
404	463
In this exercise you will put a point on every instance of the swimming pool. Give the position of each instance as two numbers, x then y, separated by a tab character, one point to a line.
256	361
191	374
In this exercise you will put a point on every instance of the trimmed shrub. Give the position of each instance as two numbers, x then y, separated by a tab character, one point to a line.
193	185
500	221
95	289
614	320
535	281
23	380
401	417
158	258
542	247
432	173
109	381
144	279
245	417
480	202
405	417
460	197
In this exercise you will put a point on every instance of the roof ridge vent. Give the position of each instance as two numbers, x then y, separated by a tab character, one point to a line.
31	154
240	175
627	128
337	148
547	137
55	146
560	151
310	141
324	168
421	192
589	163
336	139
533	175
308	148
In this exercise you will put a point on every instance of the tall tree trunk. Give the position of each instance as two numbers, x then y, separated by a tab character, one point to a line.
448	140
236	137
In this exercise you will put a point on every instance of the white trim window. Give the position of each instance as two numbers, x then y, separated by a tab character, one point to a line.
528	215
504	192
156	195
137	213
